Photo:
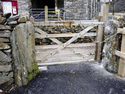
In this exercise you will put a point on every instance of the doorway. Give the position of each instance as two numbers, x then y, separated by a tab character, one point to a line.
43	3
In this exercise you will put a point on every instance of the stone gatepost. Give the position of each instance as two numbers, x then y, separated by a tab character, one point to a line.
23	52
110	34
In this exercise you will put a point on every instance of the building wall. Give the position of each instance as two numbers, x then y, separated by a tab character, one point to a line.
24	7
80	9
74	9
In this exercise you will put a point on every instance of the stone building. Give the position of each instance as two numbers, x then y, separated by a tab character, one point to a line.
72	9
81	9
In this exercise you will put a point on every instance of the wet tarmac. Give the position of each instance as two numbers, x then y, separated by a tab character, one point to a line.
82	78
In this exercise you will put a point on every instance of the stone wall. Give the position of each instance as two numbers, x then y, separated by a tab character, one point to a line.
17	52
74	9
6	69
80	9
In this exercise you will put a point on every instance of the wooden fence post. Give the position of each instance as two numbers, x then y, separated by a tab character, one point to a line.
104	18
99	39
121	70
46	13
55	5
105	11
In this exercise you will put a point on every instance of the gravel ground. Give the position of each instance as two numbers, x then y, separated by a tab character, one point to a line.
82	78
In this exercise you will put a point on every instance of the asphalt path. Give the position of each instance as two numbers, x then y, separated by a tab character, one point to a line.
81	78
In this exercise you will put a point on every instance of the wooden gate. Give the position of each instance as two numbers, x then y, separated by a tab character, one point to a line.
68	52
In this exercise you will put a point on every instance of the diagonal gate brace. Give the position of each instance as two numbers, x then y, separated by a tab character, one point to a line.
67	43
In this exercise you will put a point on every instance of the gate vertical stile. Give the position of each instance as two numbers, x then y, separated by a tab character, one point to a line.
104	18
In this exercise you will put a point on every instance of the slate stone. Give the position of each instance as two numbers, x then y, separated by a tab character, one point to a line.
4	78
4	40
22	20
5	27
2	20
4	57
4	46
12	23
5	68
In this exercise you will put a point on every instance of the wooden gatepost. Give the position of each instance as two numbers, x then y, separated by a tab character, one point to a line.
103	18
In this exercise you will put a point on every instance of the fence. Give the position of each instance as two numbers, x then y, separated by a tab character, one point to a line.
121	54
38	14
47	14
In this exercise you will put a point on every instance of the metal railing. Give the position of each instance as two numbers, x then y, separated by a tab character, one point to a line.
39	14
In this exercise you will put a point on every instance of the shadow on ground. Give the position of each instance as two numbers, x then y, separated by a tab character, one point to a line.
82	78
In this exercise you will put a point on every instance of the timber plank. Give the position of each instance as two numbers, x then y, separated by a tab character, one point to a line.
120	30
120	54
70	55
61	59
62	35
70	45
66	50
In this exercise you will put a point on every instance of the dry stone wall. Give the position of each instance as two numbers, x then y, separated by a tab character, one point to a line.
17	51
74	9
6	68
